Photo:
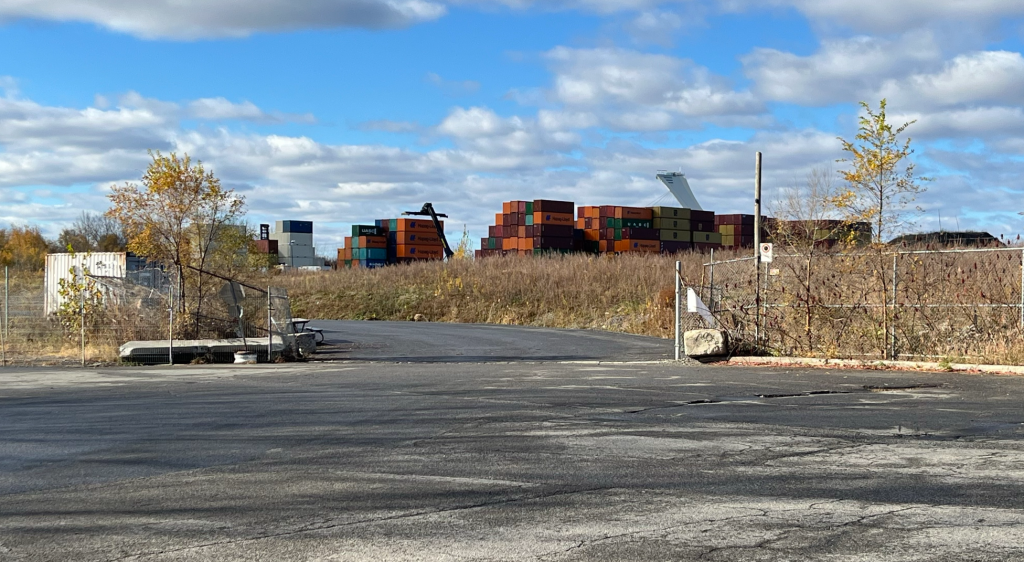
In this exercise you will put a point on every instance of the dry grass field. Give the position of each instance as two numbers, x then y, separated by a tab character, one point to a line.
957	307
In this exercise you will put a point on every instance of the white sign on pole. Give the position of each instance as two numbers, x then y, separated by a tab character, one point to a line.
766	253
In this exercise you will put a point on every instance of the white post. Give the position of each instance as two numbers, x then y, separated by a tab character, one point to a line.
679	303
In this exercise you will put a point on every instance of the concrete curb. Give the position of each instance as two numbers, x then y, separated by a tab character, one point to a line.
860	364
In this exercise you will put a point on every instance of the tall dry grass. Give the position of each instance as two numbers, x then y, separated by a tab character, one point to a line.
955	307
626	293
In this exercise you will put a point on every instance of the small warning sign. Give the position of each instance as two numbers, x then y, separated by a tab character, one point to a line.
766	253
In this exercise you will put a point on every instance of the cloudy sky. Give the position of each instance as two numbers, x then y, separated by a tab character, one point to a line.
342	111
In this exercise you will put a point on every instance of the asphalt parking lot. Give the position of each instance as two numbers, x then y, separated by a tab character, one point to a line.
525	460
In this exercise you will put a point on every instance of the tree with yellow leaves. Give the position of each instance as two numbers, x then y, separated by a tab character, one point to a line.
23	247
881	178
179	216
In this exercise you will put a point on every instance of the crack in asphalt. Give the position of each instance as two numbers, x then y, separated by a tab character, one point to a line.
324	526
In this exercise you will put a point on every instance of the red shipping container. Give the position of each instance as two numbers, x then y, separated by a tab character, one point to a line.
639	234
548	206
555	230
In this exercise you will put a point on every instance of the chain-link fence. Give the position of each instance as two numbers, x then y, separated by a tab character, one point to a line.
144	316
909	304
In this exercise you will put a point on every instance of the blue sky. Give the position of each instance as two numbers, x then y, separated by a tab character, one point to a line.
344	111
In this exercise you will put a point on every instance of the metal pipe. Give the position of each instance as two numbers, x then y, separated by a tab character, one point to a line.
270	328
81	286
757	249
892	344
679	277
7	302
711	284
170	324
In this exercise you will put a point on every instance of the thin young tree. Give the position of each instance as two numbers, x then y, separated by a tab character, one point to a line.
179	215
881	177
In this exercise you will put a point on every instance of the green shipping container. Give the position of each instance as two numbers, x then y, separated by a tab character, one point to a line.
610	223
529	211
675	235
670	213
618	234
492	243
671	224
636	223
529	217
712	237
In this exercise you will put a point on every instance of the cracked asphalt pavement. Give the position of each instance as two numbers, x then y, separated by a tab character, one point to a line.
509	461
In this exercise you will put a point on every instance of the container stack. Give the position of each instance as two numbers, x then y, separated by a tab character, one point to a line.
366	248
410	240
704	235
738	230
633	230
391	241
673	226
532	227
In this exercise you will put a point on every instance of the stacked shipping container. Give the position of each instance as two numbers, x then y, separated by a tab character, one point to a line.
529	227
391	241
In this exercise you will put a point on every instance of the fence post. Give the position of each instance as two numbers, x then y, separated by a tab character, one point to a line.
678	276
757	249
270	328
1022	290
170	324
7	302
892	340
81	308
711	284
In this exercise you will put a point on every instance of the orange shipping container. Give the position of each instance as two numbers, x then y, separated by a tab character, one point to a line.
506	207
526	244
521	231
405	225
348	241
419	252
348	253
375	242
553	218
418	238
506	243
499	219
592	235
637	246
634	213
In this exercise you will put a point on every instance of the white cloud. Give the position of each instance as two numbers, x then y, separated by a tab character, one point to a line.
973	78
221	109
644	92
193	19
841	71
888	16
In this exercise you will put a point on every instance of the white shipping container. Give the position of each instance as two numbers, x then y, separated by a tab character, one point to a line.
97	264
